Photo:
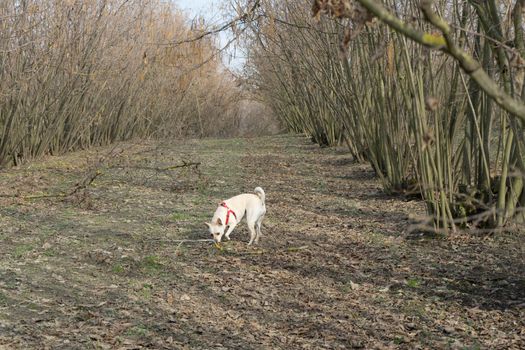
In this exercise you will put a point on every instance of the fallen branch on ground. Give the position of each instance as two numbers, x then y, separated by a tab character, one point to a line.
88	180
172	167
90	175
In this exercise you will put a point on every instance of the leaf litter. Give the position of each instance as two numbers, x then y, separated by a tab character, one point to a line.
120	265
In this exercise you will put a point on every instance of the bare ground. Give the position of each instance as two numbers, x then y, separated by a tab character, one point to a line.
101	268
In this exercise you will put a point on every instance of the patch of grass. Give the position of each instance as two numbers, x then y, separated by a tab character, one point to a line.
151	264
321	185
399	340
376	238
146	291
118	269
4	301
110	312
425	337
348	286
345	288
33	306
49	253
137	331
181	216
22	250
199	217
380	299
414	309
413	283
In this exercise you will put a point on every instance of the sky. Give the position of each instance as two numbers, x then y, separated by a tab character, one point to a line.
207	8
211	11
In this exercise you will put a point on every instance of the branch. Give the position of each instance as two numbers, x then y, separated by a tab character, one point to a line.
88	180
428	40
296	25
183	165
205	34
90	175
446	44
231	24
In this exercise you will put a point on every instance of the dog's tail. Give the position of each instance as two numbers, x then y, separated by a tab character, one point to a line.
259	192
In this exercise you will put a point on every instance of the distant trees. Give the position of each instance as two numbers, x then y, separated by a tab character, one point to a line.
432	99
74	74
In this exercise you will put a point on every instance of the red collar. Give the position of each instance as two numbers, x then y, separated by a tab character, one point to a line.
223	204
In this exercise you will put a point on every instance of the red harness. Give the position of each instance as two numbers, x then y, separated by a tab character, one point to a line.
223	204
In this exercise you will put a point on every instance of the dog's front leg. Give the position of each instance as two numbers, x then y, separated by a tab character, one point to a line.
230	229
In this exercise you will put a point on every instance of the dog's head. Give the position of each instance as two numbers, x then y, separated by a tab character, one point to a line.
216	229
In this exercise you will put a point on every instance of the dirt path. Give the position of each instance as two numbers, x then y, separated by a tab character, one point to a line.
336	267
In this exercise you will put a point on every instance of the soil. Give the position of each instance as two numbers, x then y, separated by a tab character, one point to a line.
92	256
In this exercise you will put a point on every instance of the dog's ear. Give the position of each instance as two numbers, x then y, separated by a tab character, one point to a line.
219	222
208	224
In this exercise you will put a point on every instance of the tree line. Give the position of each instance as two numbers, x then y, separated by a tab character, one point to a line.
431	94
76	74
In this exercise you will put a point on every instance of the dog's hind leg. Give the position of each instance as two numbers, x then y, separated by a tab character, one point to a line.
253	234
258	228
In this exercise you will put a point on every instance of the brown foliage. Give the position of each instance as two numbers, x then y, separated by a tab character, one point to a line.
80	73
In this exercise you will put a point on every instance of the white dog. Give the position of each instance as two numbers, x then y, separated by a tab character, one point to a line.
231	211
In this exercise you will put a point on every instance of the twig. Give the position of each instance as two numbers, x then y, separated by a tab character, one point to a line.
88	180
183	240
183	165
257	252
37	196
